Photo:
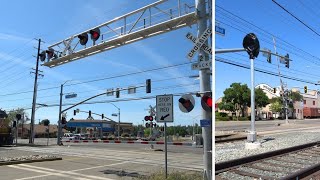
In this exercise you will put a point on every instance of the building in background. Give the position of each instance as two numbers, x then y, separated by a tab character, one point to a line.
308	108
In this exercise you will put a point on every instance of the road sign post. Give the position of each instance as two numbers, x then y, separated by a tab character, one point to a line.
165	150
164	114
164	108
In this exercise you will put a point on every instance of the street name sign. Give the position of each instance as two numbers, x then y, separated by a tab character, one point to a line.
164	108
110	92
204	47
68	96
199	42
220	30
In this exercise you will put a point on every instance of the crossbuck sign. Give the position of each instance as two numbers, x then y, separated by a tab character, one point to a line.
199	42
164	108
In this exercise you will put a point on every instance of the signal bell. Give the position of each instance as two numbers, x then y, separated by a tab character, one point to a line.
251	45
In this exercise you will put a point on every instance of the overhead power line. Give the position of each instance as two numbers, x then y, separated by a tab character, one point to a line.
226	61
296	17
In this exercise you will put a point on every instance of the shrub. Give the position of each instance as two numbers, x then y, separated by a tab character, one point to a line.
222	114
222	119
243	118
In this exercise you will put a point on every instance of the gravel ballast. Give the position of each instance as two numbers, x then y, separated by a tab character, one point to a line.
236	149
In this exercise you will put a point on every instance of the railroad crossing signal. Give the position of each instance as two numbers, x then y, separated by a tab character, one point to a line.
95	34
51	53
42	56
305	89
186	103
83	38
148	118
206	101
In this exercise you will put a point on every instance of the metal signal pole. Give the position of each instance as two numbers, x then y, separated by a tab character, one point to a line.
31	140
205	86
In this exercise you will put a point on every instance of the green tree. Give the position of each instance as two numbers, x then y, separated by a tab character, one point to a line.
45	122
236	98
276	107
261	99
295	97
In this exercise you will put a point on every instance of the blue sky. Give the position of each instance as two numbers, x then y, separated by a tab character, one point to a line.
55	21
270	18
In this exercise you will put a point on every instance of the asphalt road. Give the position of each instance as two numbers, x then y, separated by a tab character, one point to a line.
102	161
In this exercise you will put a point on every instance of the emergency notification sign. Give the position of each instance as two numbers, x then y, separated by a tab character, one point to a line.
164	108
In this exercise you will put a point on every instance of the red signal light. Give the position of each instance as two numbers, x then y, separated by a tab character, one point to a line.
206	102
95	34
148	118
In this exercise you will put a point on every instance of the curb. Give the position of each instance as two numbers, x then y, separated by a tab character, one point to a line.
28	161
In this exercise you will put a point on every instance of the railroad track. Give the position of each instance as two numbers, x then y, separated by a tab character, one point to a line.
298	162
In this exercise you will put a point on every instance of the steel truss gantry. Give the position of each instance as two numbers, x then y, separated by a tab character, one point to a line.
148	21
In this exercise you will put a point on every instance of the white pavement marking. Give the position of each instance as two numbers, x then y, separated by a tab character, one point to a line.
45	172
114	164
62	172
189	161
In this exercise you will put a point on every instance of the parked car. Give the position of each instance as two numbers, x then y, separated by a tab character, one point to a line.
68	136
80	137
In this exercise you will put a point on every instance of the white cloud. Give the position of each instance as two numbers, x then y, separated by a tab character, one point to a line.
12	37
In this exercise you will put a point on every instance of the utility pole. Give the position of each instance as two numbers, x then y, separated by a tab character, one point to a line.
59	121
205	86
282	89
34	101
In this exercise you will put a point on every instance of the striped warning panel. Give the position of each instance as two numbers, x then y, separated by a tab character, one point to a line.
130	142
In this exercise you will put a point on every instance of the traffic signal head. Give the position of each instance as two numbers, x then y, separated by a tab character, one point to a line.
148	86
117	93
206	102
42	56
95	34
63	120
274	90
83	38
14	124
89	113
269	58
102	116
287	60
74	112
251	45
305	89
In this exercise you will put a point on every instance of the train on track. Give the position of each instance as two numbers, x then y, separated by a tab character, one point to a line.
311	112
6	133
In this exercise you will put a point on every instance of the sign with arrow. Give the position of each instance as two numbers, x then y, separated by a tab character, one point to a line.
164	108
